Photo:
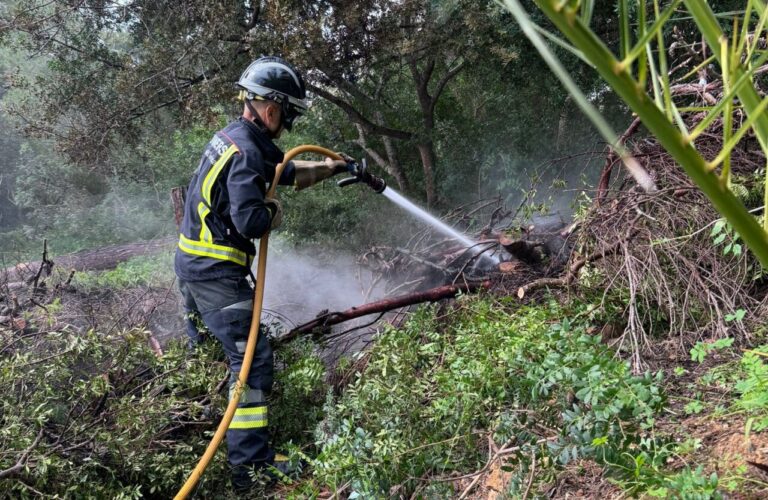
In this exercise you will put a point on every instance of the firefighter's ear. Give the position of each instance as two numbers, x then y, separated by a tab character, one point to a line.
273	113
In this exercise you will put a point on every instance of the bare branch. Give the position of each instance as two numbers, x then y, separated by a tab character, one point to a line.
357	117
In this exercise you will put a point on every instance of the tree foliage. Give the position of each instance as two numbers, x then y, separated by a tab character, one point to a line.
425	90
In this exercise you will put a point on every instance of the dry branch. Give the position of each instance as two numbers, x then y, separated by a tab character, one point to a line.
612	159
334	318
573	269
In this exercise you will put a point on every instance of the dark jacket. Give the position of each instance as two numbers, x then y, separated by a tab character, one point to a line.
225	209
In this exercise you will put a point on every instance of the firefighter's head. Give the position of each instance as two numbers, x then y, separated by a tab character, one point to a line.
273	90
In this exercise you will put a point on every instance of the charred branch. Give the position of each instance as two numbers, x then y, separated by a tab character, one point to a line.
431	295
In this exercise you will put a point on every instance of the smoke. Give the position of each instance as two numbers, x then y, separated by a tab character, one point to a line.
302	283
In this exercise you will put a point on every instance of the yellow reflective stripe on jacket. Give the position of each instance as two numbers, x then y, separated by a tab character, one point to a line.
205	249
207	187
214	172
249	418
205	233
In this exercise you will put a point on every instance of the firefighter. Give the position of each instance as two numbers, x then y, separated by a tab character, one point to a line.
224	211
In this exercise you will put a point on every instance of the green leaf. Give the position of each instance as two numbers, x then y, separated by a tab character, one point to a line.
719	239
718	227
600	441
699	352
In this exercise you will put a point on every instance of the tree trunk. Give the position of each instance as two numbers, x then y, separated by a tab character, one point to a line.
427	153
394	161
92	260
395	169
178	196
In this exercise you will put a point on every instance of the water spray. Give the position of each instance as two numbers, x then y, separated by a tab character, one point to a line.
361	174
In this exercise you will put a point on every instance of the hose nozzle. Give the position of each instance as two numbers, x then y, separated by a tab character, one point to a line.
361	174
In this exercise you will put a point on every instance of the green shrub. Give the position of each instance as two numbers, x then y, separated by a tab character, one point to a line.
114	421
432	391
753	387
149	270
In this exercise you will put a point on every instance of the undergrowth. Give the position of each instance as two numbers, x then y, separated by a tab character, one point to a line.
483	384
144	270
435	391
100	415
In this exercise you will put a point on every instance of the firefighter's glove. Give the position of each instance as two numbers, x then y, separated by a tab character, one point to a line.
275	211
350	164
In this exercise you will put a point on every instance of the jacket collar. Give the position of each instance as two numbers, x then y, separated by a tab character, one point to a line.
269	150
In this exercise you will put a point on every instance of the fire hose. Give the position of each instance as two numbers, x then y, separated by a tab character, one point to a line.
253	333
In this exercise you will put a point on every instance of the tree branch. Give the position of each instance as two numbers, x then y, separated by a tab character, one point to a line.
357	117
22	462
334	318
448	76
363	143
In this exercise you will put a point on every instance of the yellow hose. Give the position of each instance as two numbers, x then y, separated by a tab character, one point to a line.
253	334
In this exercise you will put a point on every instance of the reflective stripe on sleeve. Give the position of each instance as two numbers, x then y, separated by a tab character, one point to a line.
205	249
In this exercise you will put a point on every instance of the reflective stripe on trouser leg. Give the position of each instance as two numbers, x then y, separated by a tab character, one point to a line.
248	434
251	412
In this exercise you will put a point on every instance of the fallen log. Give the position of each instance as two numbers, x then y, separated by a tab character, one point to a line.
381	306
89	260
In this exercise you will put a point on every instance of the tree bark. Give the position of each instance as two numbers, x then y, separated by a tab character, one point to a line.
178	195
427	153
397	169
426	146
427	103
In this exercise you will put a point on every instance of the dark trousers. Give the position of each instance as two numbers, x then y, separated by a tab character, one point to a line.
225	306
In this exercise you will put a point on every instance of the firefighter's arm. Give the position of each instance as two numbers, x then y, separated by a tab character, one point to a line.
250	212
309	173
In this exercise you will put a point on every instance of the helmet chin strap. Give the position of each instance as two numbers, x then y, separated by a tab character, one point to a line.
255	118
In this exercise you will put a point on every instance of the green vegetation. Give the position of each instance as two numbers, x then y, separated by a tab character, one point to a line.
146	270
644	379
102	416
483	384
431	396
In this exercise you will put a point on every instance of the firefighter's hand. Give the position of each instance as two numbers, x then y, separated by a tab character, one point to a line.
341	166
336	166
276	211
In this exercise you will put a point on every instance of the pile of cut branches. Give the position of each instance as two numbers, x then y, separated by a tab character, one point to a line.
668	258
